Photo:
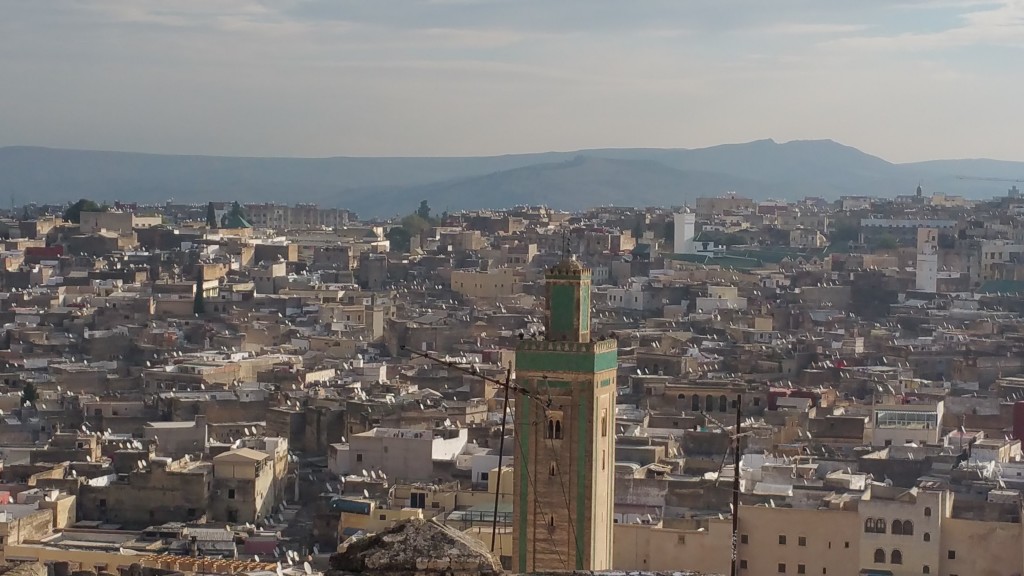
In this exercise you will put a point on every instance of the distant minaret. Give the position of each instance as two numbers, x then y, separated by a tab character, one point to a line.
927	270
565	435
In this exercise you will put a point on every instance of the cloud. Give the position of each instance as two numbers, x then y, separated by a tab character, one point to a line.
980	24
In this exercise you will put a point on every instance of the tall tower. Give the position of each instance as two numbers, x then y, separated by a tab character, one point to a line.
684	224
927	271
565	435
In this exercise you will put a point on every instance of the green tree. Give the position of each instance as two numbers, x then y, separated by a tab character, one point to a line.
424	210
844	233
74	212
885	242
29	394
415	224
400	239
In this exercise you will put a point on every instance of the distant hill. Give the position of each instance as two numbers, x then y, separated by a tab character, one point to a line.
569	180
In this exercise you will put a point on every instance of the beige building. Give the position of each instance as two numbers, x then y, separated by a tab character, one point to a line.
883	531
120	222
243	485
490	284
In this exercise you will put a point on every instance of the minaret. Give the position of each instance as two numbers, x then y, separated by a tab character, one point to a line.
565	435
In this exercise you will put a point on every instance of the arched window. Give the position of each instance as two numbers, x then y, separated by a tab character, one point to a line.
723	403
897	557
553	469
869	525
880	526
709	403
550	432
879	556
927	511
558	429
926	569
908	528
681	397
897	527
695	403
927	537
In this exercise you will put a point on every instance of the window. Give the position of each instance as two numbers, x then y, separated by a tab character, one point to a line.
709	403
435	504
880	526
744	539
879	556
723	403
553	469
359	457
418	500
604	422
801	569
801	541
951	555
757	401
695	403
383	516
869	525
908	528
743	564
846	544
896	557
927	537
897	528
782	539
927	511
231	494
782	568
485	476
926	569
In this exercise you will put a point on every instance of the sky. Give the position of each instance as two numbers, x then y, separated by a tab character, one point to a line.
902	79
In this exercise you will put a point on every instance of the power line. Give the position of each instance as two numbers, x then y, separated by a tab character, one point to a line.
545	405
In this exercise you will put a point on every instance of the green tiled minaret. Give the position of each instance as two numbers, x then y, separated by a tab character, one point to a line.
565	437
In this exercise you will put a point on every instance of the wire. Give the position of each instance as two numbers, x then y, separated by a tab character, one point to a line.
545	406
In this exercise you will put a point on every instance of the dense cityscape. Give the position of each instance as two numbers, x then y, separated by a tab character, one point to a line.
756	387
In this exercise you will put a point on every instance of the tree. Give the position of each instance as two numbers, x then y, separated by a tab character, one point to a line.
29	394
400	239
885	242
424	210
844	233
74	212
415	224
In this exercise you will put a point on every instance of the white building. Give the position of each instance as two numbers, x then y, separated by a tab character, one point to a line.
685	224
927	260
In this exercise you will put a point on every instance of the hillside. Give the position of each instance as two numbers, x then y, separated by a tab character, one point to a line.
570	180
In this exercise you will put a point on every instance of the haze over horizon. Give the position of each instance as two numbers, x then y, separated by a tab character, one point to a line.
907	81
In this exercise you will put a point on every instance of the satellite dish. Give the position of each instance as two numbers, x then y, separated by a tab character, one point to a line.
255	558
366	494
306	568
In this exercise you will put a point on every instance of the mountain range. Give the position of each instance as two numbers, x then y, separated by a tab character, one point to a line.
379	187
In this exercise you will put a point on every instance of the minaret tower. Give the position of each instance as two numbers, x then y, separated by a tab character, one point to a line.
565	435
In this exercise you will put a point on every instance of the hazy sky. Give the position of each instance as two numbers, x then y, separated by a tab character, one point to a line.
903	79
